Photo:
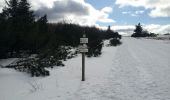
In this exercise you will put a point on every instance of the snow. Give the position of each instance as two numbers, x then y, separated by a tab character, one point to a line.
5	62
160	37
136	70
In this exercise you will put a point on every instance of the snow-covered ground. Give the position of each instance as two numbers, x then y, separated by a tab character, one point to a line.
160	37
5	62
139	69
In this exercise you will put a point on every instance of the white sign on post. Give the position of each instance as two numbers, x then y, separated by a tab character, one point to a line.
83	40
83	48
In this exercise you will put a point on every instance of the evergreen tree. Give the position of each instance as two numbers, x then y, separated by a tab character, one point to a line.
109	28
138	31
3	37
26	21
25	14
10	14
12	8
108	33
3	23
145	33
17	22
42	35
42	24
111	34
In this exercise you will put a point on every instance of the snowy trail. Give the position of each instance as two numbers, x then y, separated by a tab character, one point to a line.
132	75
136	70
139	71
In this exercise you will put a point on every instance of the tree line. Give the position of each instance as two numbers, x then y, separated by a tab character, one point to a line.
22	33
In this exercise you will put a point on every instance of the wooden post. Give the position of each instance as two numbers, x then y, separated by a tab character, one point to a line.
83	62
83	66
83	49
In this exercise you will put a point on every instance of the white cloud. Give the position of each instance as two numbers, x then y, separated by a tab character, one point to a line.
2	3
107	10
38	3
158	29
123	29
134	14
159	8
160	12
135	3
104	15
78	11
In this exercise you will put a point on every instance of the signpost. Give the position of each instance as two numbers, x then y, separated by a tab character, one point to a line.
83	49
84	40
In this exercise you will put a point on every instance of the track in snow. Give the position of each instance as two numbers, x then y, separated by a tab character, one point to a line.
140	71
136	70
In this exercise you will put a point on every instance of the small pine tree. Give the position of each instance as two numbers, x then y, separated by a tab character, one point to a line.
138	31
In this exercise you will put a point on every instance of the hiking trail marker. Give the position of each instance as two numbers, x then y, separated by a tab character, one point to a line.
83	49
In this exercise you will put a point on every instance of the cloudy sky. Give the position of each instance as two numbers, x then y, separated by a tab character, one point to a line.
122	15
